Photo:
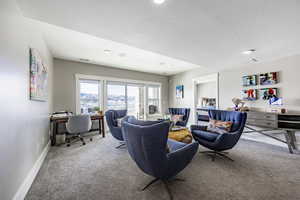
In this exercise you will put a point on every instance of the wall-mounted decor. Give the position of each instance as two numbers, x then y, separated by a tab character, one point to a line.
249	80
209	103
179	91
268	93
249	95
38	77
270	78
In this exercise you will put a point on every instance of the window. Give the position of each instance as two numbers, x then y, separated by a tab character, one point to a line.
116	96
135	100
95	93
89	96
153	100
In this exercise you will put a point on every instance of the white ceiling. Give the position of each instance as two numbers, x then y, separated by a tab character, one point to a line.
72	45
210	33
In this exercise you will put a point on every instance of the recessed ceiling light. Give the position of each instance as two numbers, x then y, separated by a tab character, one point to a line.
84	60
162	63
107	51
122	54
248	52
254	59
158	1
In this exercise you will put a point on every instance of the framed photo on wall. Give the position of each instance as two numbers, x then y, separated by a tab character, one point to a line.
249	80
270	78
38	77
179	91
268	93
249	95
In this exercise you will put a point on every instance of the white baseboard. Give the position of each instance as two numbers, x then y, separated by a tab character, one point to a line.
24	188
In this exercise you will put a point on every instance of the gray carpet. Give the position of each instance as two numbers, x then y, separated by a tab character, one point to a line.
99	171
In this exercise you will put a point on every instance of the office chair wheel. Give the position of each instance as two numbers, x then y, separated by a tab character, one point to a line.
91	139
83	143
68	145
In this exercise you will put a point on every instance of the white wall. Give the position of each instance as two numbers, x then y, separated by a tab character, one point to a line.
206	90
289	79
64	81
230	84
24	124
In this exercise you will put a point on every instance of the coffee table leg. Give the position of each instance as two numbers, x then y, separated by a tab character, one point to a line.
288	138
293	139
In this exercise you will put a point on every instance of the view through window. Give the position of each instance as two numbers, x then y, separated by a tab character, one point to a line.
116	96
135	100
89	96
140	99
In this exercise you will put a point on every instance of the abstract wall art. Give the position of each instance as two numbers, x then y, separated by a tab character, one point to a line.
179	91
38	77
249	95
268	93
270	78
249	80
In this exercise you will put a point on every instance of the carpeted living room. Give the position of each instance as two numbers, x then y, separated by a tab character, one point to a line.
149	100
98	171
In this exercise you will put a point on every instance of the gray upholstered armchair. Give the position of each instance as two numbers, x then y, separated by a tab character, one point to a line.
112	117
147	145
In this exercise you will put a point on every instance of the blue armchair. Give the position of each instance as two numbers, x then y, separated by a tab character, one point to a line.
147	145
219	143
181	111
112	117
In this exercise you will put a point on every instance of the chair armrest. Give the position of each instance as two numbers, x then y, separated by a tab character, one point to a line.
227	140
175	145
198	127
181	157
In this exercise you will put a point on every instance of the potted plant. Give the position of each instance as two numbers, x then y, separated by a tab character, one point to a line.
97	110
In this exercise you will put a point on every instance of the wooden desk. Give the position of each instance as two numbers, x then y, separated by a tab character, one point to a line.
55	121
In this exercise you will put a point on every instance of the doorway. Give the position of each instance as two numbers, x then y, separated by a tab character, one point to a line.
206	94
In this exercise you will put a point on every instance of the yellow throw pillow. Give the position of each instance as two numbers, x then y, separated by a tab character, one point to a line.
218	126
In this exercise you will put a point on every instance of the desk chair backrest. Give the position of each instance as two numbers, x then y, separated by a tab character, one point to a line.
79	124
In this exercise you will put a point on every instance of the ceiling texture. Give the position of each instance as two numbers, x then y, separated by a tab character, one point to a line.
176	36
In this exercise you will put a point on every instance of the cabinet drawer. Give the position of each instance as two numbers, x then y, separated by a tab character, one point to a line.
263	116
262	123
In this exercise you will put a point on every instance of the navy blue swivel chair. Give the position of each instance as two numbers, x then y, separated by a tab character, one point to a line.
181	111
146	143
219	143
112	122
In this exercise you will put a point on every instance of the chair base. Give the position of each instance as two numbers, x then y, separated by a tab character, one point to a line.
214	154
76	138
166	184
122	144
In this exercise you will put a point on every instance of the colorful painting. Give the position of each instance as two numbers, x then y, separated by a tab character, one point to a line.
249	95
268	78
267	93
38	77
249	80
179	91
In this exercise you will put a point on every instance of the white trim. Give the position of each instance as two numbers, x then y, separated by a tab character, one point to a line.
24	188
107	78
204	79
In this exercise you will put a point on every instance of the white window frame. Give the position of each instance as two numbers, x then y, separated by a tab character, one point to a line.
103	93
159	100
